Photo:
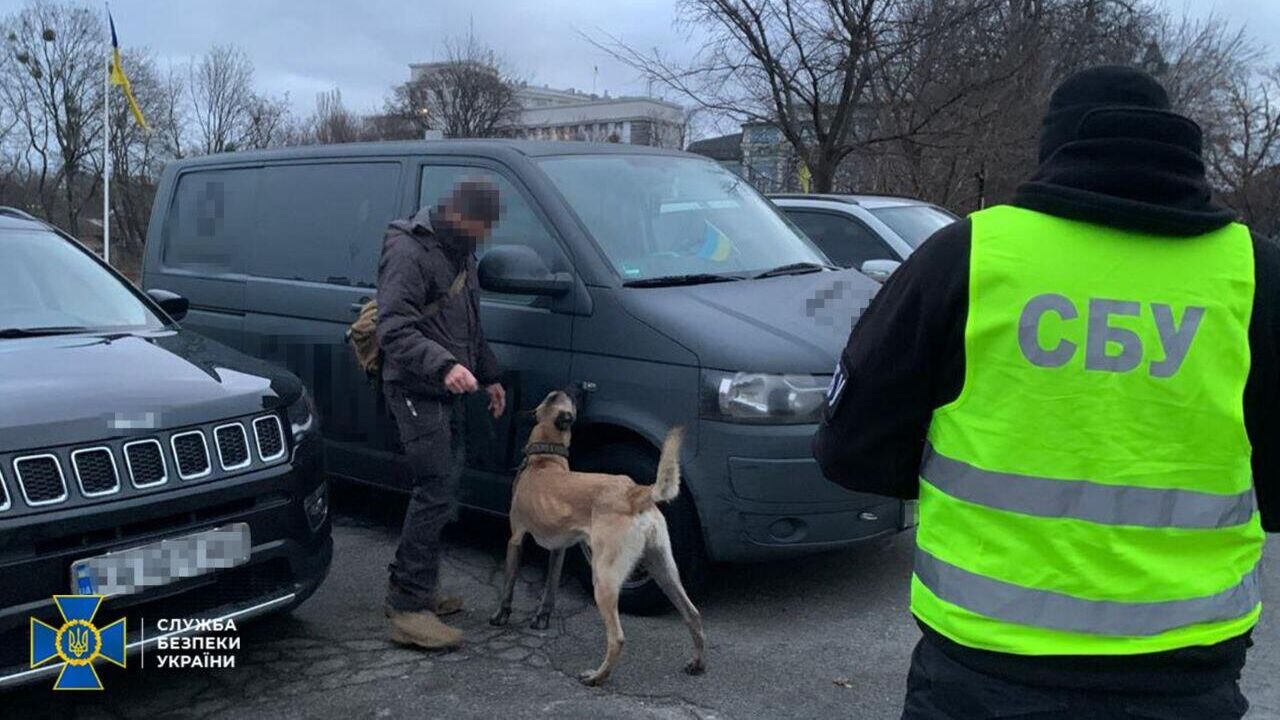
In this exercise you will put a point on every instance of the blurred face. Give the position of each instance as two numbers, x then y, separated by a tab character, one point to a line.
477	231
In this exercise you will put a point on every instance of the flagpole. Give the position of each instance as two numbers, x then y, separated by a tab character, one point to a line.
106	147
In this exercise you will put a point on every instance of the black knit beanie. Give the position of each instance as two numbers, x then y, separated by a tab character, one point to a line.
1087	103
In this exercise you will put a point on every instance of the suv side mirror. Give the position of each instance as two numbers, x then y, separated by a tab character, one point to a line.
173	304
879	270
519	270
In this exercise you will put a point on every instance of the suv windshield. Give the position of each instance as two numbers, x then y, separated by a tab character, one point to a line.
47	284
660	216
913	223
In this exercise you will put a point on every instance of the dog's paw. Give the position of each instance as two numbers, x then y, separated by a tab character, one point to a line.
500	618
541	621
591	678
695	667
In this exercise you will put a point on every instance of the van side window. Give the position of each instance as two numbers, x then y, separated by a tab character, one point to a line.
518	225
324	222
211	219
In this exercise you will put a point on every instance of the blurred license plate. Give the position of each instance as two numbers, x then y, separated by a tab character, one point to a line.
135	570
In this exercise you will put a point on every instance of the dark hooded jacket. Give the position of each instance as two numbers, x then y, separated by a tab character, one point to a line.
419	262
1120	160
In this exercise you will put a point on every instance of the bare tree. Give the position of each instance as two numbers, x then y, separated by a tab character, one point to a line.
221	99
51	80
269	123
812	68
470	94
333	122
137	154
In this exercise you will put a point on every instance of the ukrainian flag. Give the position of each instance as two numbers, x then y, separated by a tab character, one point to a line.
715	244
119	78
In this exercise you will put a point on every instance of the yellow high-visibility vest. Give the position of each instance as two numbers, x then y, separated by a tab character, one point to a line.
1090	490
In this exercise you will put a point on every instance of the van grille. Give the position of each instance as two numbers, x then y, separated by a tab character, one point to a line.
96	471
233	446
146	463
270	437
192	454
40	478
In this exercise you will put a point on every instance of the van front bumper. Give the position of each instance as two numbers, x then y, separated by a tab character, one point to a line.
761	495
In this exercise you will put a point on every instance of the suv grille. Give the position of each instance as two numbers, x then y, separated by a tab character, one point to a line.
96	471
233	446
192	454
40	477
146	463
270	437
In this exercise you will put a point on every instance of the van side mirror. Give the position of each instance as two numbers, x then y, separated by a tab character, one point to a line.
879	270
173	304
519	270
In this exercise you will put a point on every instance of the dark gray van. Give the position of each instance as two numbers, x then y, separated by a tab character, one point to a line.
658	282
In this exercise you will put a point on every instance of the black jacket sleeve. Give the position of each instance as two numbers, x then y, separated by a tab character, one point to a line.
403	290
904	358
1262	393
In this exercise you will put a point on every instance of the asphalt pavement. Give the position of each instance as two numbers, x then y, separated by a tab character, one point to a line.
826	636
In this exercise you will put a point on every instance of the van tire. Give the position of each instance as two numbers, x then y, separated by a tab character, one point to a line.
640	463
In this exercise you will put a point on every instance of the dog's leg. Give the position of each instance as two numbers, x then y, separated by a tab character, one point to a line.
514	545
615	549
548	605
662	568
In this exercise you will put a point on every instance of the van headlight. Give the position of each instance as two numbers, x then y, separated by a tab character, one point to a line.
303	418
763	398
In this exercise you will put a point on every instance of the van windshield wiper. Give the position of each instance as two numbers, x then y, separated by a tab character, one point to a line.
672	280
39	331
793	269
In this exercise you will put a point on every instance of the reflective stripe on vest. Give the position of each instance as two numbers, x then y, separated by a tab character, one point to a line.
1043	609
1084	500
1089	492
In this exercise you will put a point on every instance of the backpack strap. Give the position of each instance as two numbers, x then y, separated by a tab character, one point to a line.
455	289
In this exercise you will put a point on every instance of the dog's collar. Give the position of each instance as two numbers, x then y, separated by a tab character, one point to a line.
546	448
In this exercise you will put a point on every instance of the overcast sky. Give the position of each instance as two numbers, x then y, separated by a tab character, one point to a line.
304	47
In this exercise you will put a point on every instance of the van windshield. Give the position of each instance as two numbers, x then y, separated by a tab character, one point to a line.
659	216
49	286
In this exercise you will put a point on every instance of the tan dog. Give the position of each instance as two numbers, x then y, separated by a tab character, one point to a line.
618	519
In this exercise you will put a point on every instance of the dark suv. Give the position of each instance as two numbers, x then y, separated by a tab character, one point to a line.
138	460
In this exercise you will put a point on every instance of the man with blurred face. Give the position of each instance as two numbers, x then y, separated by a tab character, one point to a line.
433	355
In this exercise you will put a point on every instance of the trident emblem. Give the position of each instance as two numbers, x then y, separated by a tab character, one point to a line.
78	642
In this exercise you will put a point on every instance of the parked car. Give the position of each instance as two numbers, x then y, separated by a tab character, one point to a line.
661	284
140	460
873	233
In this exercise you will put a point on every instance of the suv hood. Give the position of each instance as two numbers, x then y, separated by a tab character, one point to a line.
789	324
80	388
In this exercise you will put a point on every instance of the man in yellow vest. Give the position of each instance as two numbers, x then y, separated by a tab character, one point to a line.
1083	390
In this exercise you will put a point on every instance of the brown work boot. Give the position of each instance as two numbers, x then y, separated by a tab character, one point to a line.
446	604
423	629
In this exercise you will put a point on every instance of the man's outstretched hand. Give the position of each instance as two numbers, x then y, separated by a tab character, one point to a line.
497	399
459	380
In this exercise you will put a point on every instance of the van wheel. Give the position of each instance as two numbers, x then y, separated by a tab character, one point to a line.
640	594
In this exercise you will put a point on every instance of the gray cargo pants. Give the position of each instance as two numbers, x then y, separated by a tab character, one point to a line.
433	432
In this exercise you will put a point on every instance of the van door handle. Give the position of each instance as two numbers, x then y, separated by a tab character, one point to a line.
356	306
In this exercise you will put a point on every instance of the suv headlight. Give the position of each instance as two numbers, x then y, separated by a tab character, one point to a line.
763	398
303	418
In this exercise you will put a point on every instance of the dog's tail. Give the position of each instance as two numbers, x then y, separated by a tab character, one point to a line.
667	485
